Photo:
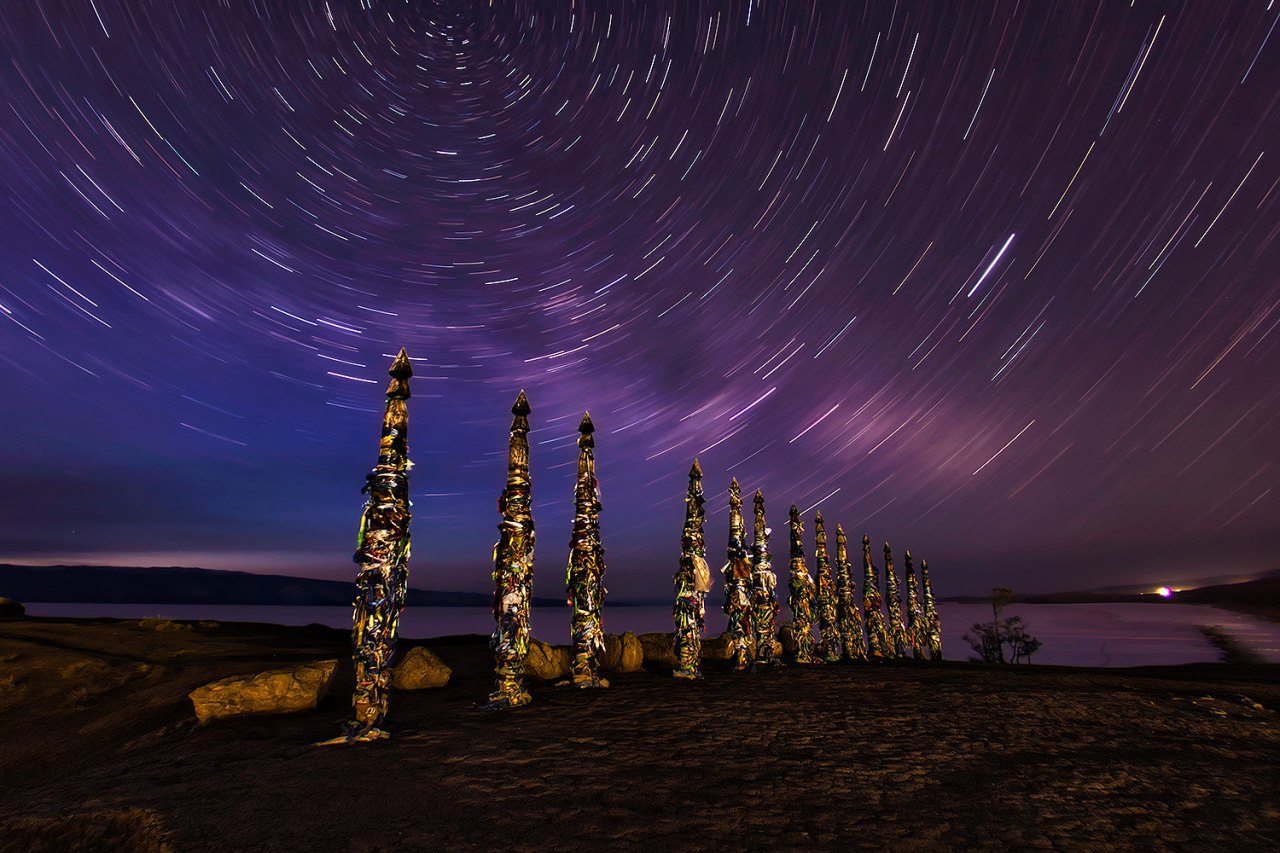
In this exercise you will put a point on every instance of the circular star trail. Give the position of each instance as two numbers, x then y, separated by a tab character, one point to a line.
994	281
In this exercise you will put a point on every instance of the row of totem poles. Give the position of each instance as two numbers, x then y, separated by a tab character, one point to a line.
847	630
843	633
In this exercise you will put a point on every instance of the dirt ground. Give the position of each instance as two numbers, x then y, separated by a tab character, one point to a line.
101	751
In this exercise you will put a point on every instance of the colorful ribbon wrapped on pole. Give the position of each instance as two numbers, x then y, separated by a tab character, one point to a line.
828	605
873	619
737	577
585	576
692	582
513	570
893	602
764	583
382	552
801	593
916	629
933	625
848	612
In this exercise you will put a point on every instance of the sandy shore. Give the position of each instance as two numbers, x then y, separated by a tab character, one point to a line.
101	751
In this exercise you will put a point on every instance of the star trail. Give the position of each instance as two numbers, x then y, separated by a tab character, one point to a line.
995	281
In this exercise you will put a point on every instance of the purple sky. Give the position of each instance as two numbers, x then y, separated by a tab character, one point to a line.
995	281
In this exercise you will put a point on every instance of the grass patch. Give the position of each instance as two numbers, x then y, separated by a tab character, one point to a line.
159	623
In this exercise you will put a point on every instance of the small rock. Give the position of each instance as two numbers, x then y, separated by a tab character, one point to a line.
546	662
420	669
659	649
278	691
9	607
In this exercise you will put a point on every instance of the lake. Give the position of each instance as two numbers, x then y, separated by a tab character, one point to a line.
1071	634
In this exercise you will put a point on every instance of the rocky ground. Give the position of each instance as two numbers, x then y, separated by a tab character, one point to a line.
101	751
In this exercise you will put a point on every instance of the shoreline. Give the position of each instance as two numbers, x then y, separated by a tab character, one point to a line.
1114	636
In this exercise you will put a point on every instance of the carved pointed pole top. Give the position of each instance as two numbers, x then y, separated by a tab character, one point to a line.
888	552
841	539
907	555
521	406
735	511
817	519
760	532
400	372
866	541
695	470
795	515
585	428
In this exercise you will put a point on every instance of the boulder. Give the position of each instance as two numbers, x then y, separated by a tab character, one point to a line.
716	648
787	636
659	650
420	669
546	662
632	653
9	607
277	691
622	653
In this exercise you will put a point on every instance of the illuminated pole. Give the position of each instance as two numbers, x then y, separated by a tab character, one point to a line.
737	575
764	583
693	581
802	593
897	638
382	551
513	570
933	625
916	628
829	649
877	642
849	615
585	577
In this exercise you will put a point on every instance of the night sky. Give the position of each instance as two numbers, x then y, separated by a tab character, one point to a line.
997	281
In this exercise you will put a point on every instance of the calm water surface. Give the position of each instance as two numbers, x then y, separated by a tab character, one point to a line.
1072	634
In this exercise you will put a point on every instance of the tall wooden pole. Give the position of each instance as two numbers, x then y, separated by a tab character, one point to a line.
933	625
513	570
916	628
802	593
893	602
828	601
382	552
764	583
737	577
693	581
585	577
849	613
877	641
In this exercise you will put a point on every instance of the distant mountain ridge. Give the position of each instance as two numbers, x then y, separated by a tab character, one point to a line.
184	585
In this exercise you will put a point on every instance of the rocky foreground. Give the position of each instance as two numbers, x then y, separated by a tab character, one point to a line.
101	750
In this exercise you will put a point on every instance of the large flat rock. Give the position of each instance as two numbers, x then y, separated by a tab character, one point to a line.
277	691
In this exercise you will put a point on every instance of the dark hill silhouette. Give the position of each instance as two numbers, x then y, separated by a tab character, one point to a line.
183	585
